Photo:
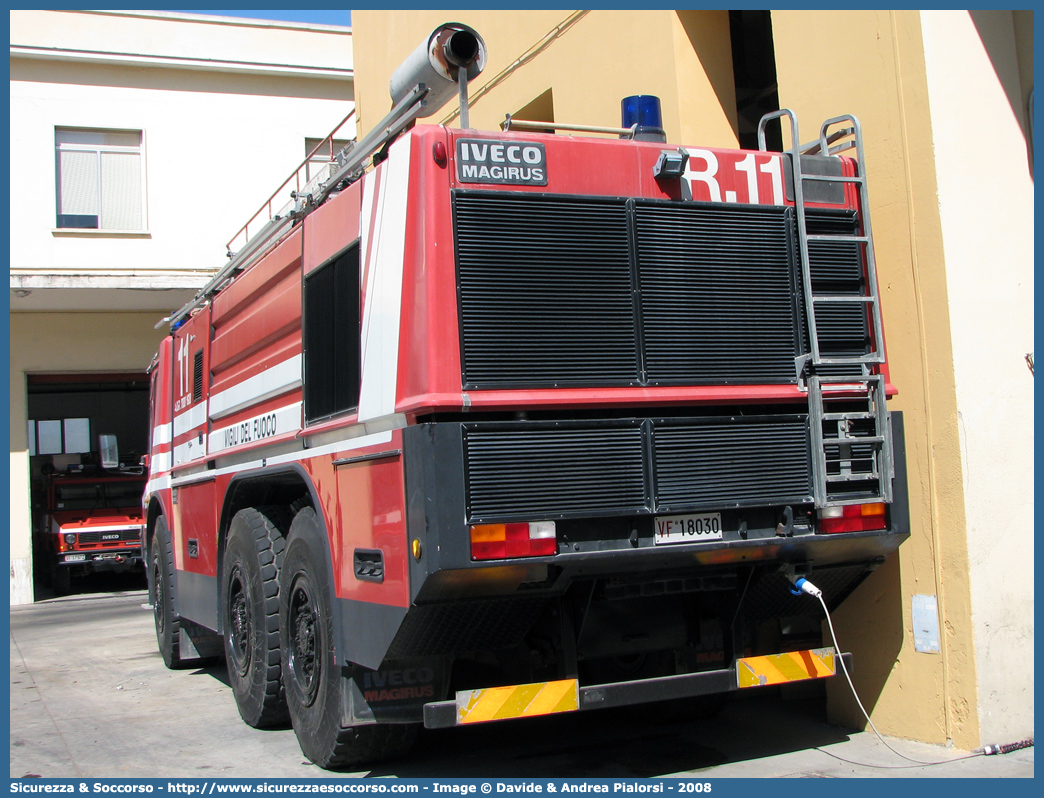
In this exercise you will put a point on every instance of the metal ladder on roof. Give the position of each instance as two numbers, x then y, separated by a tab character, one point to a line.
850	429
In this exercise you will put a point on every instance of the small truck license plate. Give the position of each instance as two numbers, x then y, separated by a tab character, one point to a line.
687	528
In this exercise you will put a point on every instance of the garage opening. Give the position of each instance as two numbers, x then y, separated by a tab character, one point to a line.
87	433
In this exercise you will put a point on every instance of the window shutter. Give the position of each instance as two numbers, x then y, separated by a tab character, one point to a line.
121	191
78	177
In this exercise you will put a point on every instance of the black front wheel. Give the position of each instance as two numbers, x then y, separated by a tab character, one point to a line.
161	589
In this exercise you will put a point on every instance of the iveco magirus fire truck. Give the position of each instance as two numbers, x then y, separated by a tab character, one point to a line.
499	424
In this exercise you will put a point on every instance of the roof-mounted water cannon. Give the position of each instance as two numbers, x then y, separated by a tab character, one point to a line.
444	63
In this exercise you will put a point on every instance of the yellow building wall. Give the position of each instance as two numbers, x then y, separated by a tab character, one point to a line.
590	60
985	181
868	63
871	64
61	342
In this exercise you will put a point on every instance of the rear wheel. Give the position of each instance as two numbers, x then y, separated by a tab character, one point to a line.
313	681
250	607
161	581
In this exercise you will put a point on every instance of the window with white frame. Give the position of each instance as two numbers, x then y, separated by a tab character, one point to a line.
100	179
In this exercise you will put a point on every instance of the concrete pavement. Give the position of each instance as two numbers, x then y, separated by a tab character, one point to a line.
90	698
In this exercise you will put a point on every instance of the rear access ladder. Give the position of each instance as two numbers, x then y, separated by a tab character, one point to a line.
851	433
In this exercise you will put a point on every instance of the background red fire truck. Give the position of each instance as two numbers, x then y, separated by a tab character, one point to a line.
514	423
93	522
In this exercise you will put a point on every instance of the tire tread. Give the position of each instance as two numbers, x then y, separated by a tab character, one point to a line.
268	525
162	551
364	745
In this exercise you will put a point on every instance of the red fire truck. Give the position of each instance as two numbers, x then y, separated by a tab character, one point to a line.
93	523
499	424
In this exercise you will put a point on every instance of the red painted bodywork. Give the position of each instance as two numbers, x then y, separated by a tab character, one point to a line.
253	326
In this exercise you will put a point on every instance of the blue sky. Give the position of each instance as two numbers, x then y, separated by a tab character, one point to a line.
326	17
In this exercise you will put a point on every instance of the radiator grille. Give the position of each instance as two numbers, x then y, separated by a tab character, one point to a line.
122	536
734	463
542	471
545	291
717	293
547	472
577	291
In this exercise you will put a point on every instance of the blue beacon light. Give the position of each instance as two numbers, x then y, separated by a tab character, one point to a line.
643	110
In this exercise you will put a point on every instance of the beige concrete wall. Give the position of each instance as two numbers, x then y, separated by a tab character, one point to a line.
986	208
218	138
61	342
871	64
589	60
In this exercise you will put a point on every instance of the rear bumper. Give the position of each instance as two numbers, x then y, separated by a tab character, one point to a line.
444	714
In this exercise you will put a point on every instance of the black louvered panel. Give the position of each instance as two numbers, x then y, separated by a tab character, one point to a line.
717	298
843	329
546	473
836	266
197	376
545	291
729	463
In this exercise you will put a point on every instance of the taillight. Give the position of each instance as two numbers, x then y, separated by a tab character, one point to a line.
504	541
852	518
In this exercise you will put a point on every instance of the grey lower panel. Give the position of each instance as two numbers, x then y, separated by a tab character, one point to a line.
367	631
196	598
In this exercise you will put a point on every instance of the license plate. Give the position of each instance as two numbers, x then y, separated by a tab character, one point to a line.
687	528
75	557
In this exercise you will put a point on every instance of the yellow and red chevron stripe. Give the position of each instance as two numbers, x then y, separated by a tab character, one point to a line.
793	666
518	701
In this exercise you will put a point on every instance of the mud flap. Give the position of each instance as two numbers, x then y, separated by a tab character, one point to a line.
394	693
195	642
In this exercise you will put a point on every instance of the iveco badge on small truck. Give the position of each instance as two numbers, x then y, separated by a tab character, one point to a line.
500	424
